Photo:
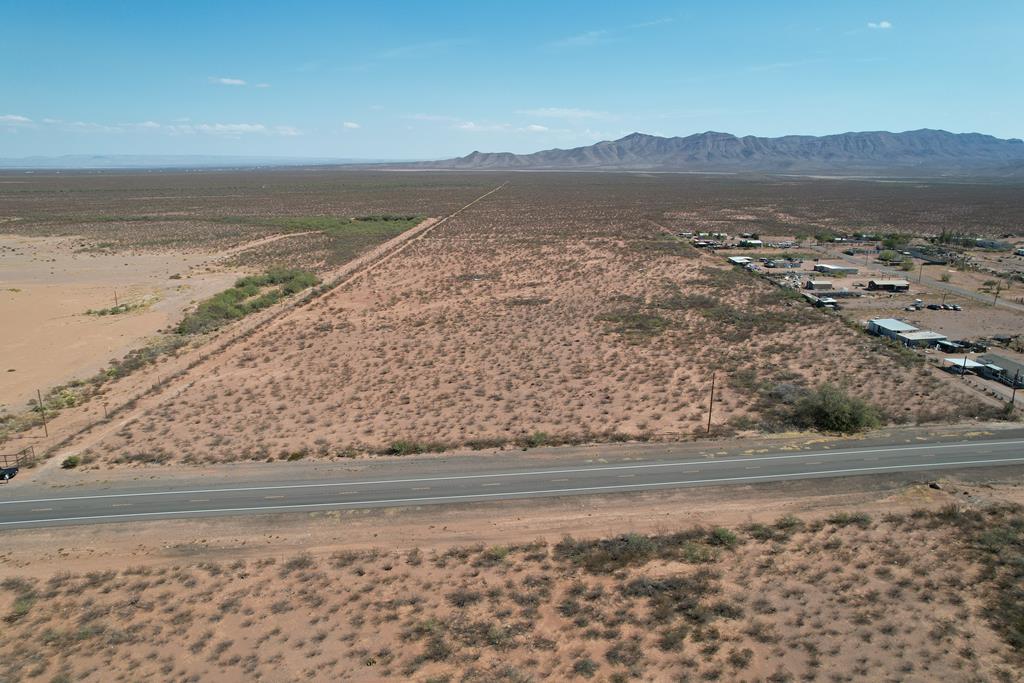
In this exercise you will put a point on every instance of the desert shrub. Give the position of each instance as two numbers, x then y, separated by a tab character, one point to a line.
723	537
463	597
740	659
21	607
860	519
585	667
634	323
534	440
626	653
249	294
672	639
299	562
437	649
71	462
829	408
609	554
407	447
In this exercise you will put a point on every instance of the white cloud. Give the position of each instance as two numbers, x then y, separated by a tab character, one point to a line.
653	22
433	117
15	119
570	113
414	49
779	66
227	81
90	127
585	39
602	36
352	125
884	24
179	126
473	127
262	85
230	128
537	128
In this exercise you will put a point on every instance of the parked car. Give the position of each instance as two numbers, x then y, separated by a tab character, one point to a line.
8	473
957	307
934	307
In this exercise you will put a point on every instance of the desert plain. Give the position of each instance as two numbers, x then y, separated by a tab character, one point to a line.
488	312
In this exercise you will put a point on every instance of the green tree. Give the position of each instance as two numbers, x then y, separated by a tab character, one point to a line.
829	408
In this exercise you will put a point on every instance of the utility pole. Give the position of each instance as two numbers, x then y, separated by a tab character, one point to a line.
963	368
42	413
1016	380
995	297
711	400
920	273
115	298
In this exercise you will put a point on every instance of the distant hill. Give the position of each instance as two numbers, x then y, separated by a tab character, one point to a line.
919	151
167	161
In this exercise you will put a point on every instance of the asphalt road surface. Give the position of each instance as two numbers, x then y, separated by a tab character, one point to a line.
132	501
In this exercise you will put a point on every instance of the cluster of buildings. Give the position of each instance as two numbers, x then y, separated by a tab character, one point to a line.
990	366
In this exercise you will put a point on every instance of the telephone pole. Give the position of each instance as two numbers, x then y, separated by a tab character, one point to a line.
711	400
42	413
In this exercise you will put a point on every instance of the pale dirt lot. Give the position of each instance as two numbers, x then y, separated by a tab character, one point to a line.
48	284
492	594
493	328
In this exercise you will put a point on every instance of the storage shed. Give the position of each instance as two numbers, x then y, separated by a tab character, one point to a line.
832	269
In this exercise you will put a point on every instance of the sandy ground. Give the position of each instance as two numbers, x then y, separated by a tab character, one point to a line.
492	593
502	323
48	284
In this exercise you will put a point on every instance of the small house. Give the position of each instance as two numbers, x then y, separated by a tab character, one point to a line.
889	285
819	284
739	260
751	243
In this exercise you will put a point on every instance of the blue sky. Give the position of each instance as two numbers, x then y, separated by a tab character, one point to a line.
429	80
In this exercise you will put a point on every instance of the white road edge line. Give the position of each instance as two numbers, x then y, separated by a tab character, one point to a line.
508	494
702	461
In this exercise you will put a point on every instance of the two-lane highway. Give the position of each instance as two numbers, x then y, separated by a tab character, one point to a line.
133	501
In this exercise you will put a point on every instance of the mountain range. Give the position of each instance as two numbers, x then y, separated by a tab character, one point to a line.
925	151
